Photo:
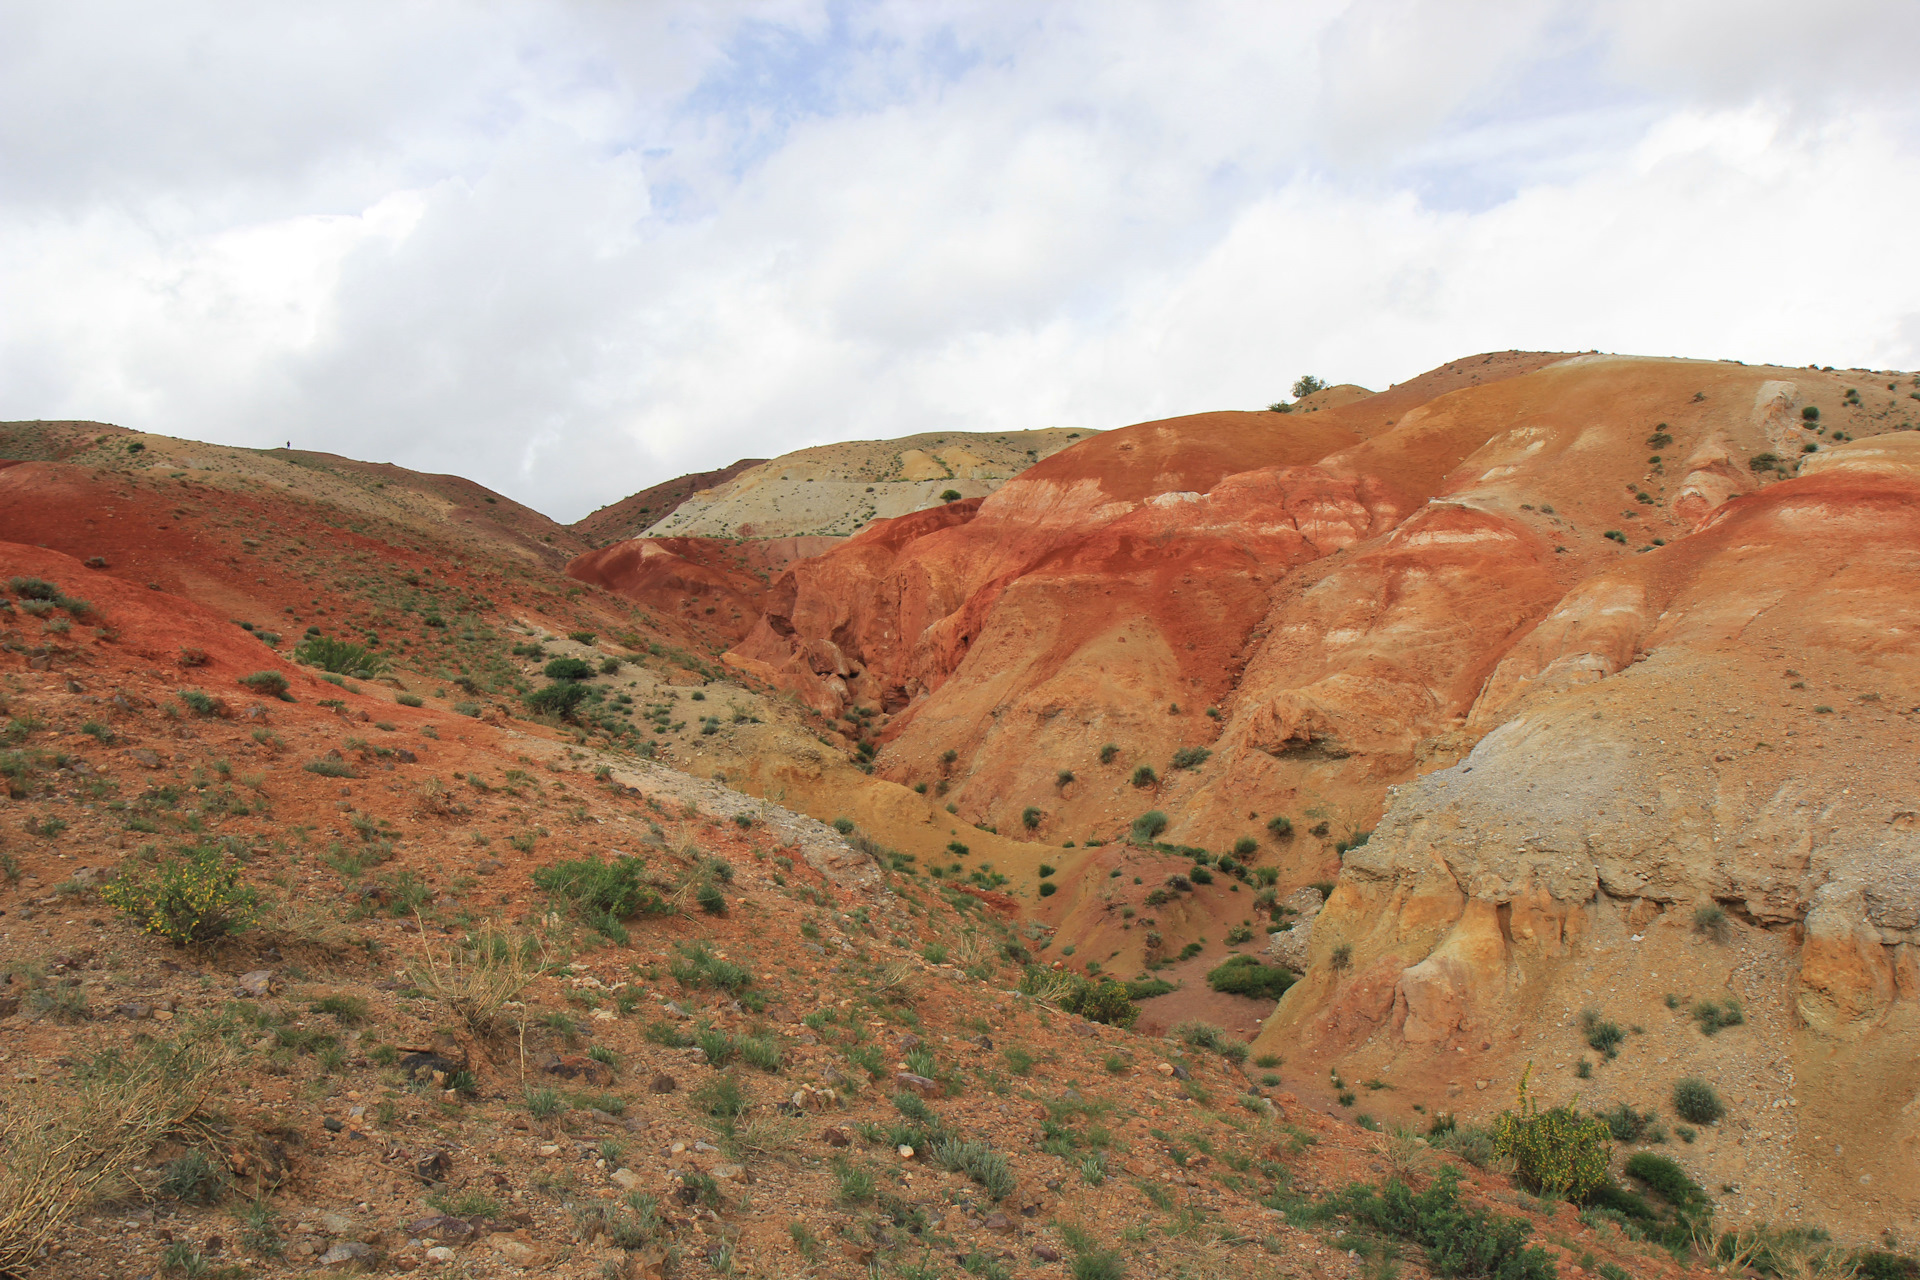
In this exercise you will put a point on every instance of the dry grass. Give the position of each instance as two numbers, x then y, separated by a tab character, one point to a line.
65	1142
479	977
303	922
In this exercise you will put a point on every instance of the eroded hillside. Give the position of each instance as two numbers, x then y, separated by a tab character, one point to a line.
1238	634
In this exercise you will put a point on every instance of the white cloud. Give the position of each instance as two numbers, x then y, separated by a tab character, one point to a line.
570	250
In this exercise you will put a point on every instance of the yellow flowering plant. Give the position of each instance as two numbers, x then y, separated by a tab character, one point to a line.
1557	1152
193	899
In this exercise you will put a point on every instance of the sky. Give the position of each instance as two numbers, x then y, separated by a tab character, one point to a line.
570	250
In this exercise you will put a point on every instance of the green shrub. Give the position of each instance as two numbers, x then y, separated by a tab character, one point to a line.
1666	1179
1281	826
1144	776
603	890
1190	757
568	669
194	899
328	767
1695	1100
1245	975
1602	1036
1148	826
1030	817
1711	921
976	1160
1626	1124
193	1178
201	704
1556	1152
269	684
34	589
1811	413
1148	988
697	965
342	657
711	899
1459	1241
1048	888
544	1104
408	699
949	495
561	698
1096	1000
1715	1015
1108	752
844	825
1245	847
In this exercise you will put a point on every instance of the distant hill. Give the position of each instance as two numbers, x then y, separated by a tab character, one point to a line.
836	490
631	516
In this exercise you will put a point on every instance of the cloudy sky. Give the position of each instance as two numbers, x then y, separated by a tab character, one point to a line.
570	250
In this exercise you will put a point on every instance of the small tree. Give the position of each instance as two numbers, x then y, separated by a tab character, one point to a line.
1306	384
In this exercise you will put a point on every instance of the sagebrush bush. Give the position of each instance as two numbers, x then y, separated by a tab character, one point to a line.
1694	1099
1244	975
341	657
1148	826
1190	757
1556	1152
269	684
599	890
561	698
194	899
1711	921
1459	1241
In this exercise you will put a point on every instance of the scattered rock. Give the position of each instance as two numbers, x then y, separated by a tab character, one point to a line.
919	1084
347	1253
257	985
663	1083
1000	1224
624	1178
577	1067
838	1136
144	758
440	1227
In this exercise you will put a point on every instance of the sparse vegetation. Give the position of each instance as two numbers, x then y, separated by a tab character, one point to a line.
1695	1100
1715	1015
